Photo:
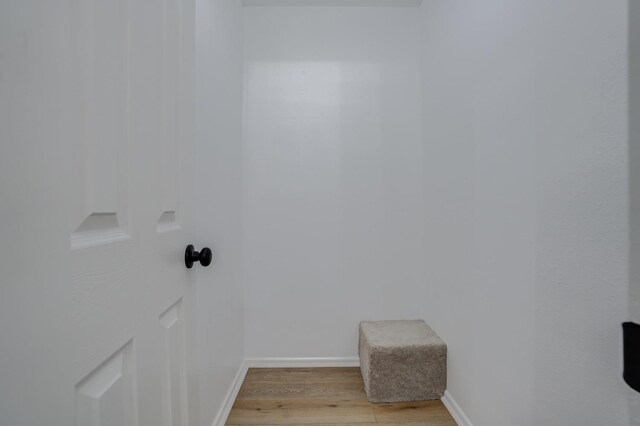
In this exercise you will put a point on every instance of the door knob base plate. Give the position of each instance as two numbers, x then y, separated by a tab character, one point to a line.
190	256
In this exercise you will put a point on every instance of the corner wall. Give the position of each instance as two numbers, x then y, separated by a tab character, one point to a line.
220	342
634	153
525	136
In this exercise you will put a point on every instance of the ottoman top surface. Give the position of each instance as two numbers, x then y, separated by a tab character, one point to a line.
399	333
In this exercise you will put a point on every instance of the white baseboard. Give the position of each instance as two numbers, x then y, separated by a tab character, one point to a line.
303	362
230	398
454	409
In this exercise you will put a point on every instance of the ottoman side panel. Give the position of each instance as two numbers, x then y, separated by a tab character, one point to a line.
365	359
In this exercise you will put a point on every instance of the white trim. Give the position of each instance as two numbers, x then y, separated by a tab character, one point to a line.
454	409
230	398
302	362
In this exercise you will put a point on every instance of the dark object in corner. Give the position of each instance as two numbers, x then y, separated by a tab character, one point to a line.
631	350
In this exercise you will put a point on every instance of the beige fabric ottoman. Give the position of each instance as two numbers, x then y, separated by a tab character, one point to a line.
402	361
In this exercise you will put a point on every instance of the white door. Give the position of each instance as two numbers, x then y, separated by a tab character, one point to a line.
96	161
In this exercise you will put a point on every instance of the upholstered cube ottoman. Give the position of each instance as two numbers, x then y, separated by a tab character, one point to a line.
402	361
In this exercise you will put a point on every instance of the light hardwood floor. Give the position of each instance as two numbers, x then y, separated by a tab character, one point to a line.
326	396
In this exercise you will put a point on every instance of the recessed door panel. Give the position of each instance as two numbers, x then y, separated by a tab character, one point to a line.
174	375
107	396
171	108
101	149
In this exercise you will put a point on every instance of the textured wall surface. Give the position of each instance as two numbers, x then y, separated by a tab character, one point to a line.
219	191
519	173
525	136
634	144
634	141
333	184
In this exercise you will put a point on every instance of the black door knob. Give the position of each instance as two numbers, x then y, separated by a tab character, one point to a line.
191	256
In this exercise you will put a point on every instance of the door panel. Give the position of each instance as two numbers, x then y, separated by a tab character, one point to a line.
100	148
108	395
171	66
174	382
97	152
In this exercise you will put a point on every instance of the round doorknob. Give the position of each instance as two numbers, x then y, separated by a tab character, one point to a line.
191	256
205	256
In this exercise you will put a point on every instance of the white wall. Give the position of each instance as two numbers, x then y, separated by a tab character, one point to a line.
520	182
526	171
634	138
332	209
634	175
220	343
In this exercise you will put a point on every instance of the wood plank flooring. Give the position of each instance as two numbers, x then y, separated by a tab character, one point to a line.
323	396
